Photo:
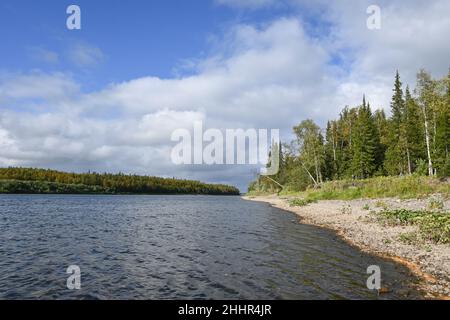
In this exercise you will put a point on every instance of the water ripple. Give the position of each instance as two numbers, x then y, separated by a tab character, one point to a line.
168	247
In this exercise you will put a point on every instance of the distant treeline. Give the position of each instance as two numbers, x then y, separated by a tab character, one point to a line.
361	143
29	180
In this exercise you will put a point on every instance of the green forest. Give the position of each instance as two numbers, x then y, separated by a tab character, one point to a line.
362	143
28	180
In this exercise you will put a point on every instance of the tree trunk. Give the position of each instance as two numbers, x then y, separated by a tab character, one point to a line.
409	161
427	140
309	173
334	149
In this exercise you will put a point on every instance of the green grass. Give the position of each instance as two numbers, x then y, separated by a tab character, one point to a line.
433	226
255	193
300	202
409	238
435	204
380	187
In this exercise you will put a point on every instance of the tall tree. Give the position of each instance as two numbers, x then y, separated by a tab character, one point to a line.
311	152
365	143
332	150
382	125
346	128
413	132
426	101
394	162
441	125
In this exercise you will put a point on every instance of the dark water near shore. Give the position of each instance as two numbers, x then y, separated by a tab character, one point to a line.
186	247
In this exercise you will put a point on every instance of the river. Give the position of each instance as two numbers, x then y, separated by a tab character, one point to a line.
177	247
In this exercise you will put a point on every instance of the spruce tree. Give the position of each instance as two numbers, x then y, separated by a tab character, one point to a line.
441	117
382	125
413	131
396	145
365	143
332	150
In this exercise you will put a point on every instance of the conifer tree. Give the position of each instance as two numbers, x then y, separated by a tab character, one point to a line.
332	150
441	126
365	143
396	145
413	132
382	125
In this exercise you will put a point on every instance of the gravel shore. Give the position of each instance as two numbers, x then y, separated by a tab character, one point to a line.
354	223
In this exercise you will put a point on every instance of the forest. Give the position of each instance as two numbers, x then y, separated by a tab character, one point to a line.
29	180
362	143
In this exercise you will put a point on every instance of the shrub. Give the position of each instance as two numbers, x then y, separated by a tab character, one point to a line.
434	227
435	204
300	202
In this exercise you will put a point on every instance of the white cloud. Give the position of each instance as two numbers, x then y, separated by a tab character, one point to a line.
36	85
412	37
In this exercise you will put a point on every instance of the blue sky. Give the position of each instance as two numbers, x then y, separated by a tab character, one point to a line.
136	38
107	97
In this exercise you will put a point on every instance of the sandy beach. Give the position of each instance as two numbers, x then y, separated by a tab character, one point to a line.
356	224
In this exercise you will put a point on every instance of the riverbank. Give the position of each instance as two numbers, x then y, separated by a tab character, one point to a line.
356	222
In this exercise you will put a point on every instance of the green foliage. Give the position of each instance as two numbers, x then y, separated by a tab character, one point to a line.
23	187
360	144
300	202
421	167
405	187
409	238
435	204
434	227
310	149
394	162
365	143
381	204
26	180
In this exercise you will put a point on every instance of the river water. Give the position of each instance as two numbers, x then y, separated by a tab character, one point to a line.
177	247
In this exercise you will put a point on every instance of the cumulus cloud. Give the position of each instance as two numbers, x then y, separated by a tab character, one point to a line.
411	37
259	76
36	85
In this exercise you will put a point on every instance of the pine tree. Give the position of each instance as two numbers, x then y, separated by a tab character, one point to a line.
396	145
382	125
331	150
365	143
441	117
346	128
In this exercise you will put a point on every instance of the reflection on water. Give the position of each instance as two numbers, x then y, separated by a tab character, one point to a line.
185	247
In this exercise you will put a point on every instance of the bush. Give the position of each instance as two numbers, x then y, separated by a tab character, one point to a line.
435	204
300	202
434	227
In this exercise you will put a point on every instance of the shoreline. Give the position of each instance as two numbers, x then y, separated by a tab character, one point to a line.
429	262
